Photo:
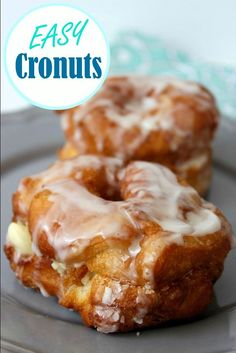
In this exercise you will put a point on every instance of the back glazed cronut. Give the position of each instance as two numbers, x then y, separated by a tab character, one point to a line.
163	120
127	247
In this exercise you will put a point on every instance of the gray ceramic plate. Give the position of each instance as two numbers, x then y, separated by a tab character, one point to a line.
32	323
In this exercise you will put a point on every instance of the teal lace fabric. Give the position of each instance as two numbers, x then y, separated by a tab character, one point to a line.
134	52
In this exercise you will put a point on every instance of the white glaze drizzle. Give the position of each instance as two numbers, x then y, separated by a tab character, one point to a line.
163	198
140	104
63	169
81	216
196	162
42	289
152	190
142	110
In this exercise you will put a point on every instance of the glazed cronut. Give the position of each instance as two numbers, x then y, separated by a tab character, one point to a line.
127	247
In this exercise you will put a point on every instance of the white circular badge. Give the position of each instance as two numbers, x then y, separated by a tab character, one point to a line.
57	56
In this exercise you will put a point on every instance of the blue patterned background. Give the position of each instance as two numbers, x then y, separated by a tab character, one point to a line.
134	52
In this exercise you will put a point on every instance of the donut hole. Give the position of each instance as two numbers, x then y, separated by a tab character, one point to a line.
107	192
112	195
98	183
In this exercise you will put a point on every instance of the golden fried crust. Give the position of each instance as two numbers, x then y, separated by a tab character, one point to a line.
126	247
126	307
171	302
176	128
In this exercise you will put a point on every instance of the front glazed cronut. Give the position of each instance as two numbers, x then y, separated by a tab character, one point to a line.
126	246
155	119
